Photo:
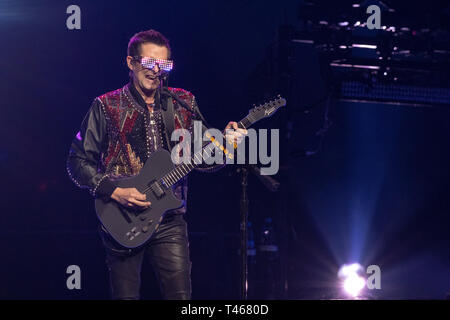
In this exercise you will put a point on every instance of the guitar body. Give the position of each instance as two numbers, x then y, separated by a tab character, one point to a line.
133	227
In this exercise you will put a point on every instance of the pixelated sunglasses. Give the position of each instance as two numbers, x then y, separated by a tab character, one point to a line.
149	63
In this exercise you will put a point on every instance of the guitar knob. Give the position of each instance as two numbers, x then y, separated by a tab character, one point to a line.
149	222
144	229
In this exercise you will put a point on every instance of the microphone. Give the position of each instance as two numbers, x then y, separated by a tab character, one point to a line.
164	78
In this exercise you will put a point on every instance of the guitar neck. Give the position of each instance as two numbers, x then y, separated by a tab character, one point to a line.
182	170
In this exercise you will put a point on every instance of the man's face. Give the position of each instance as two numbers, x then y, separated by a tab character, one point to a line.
147	79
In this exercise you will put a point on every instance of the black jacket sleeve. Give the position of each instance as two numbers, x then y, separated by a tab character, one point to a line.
85	154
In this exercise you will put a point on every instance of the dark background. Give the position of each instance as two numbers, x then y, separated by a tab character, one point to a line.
377	192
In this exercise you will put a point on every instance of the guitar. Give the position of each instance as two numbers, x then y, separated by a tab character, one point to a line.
133	227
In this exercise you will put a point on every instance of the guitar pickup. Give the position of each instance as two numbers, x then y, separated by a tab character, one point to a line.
157	189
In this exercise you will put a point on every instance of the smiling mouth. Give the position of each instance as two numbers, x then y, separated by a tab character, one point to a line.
150	77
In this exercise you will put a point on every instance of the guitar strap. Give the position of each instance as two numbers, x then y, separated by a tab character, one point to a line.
168	119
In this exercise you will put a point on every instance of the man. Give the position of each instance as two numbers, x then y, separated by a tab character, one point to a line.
121	129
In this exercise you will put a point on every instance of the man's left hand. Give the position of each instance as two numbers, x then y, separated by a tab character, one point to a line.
234	136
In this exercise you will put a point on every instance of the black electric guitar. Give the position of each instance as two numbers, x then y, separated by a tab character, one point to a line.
133	227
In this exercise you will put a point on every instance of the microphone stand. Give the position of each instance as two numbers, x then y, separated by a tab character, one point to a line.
165	91
244	220
267	181
270	184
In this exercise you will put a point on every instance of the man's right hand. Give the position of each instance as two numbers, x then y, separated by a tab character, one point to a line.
130	198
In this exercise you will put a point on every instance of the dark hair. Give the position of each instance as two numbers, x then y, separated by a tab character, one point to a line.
149	36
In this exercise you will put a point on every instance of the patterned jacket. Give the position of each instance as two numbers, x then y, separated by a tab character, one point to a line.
116	139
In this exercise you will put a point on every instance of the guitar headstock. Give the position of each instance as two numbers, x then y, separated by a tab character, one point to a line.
267	109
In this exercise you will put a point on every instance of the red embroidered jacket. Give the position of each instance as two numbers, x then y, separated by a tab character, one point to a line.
115	140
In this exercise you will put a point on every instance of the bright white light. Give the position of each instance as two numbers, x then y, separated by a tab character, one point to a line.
353	284
348	269
365	46
346	65
366	67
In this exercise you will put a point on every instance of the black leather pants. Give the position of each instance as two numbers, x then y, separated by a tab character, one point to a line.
168	253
